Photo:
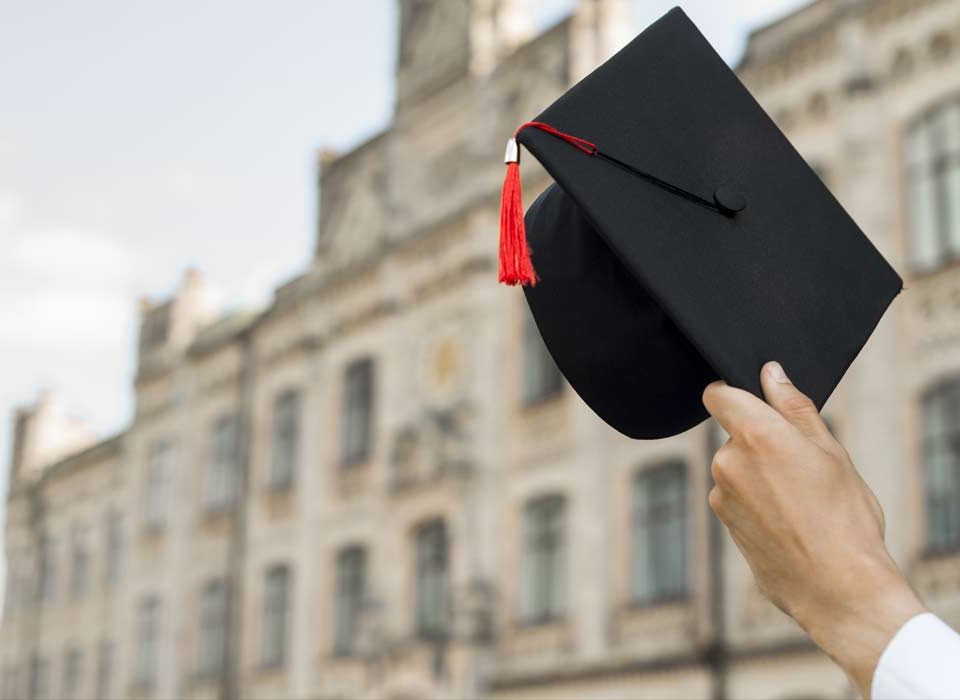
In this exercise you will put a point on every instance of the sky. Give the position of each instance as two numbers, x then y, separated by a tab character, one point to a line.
140	138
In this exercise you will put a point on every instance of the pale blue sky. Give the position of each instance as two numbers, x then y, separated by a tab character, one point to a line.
137	138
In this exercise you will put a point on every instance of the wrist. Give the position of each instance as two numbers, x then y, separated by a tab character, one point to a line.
856	622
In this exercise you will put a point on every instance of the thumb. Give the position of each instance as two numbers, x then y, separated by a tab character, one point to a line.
791	403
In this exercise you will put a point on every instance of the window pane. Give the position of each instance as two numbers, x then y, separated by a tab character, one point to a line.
950	128
72	674
541	377
659	547
148	632
79	563
113	561
221	479
276	597
544	568
105	670
47	570
155	501
431	598
351	583
357	411
39	679
951	186
286	439
211	633
940	416
924	239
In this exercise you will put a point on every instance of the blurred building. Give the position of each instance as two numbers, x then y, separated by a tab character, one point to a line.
380	486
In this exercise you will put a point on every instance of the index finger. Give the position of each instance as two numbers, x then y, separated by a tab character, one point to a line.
735	409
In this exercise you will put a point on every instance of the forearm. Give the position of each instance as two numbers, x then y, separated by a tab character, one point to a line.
854	627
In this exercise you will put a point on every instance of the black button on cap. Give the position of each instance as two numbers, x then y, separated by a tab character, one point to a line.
729	199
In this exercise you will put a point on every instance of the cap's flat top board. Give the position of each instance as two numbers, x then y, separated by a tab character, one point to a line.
790	278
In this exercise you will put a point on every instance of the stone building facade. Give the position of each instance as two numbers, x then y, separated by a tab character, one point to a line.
379	486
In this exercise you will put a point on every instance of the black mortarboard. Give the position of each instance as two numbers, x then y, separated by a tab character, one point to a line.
684	240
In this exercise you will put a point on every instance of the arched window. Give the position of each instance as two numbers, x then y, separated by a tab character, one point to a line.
932	149
940	454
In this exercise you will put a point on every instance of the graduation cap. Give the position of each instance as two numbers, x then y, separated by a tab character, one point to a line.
684	240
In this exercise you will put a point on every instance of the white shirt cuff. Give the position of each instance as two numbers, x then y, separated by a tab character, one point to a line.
921	661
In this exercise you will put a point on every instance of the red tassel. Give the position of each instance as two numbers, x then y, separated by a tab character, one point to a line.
515	264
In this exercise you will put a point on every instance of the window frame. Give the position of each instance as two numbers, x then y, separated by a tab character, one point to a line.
541	380
555	605
72	679
641	484
349	592
432	572
276	613
285	440
212	610
942	160
358	411
38	677
943	392
156	499
105	664
147	659
46	583
79	562
113	547
221	485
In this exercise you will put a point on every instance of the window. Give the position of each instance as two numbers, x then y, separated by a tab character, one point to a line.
11	688
940	435
222	471
72	674
148	639
276	604
113	547
541	378
933	181
12	599
351	584
105	670
659	534
39	678
211	634
79	562
158	476
357	418
47	573
543	566
432	593
286	439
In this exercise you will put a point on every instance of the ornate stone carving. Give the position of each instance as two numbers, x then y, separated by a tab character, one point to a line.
436	444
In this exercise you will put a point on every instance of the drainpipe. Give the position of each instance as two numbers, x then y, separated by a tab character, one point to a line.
717	653
231	669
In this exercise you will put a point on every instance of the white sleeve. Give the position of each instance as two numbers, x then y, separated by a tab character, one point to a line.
921	661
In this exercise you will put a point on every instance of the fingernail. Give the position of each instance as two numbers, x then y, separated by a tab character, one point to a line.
776	373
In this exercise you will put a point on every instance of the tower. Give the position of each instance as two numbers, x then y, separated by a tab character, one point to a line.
442	41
